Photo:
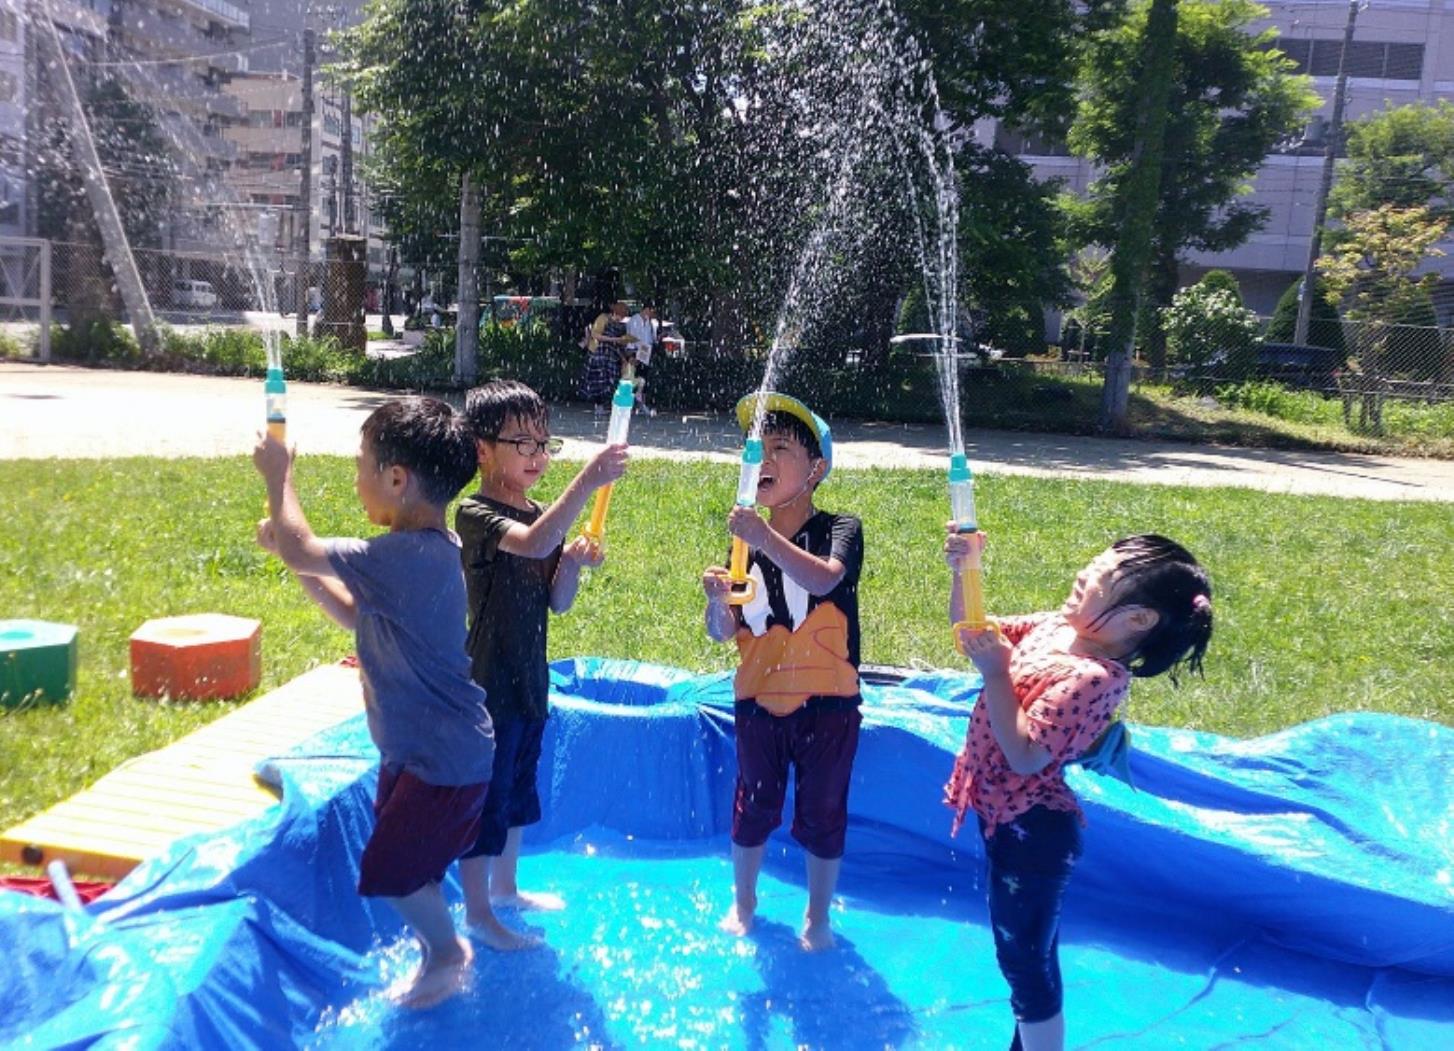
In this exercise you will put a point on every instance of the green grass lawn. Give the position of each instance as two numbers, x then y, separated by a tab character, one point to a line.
1323	605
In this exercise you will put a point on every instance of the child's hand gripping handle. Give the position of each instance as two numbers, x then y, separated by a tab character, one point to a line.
616	434
742	589
971	593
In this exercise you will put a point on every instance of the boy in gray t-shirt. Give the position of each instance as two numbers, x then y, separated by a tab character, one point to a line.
403	595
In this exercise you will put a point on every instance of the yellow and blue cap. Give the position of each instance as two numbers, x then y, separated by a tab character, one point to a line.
775	402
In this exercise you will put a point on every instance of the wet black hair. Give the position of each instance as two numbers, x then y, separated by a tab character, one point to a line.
1161	575
787	423
490	407
428	439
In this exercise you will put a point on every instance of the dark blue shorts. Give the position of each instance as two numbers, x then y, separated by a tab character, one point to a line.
513	801
819	743
1029	862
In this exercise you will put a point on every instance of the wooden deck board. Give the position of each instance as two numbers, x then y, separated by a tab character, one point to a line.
200	783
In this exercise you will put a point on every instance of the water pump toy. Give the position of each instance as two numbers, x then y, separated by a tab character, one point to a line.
742	589
616	434
962	513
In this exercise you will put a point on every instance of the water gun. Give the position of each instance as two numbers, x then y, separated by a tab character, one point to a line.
961	512
275	391
616	432
741	588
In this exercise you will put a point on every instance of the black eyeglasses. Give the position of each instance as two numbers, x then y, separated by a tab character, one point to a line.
531	446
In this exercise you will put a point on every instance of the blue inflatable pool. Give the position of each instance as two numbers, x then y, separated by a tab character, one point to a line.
1294	891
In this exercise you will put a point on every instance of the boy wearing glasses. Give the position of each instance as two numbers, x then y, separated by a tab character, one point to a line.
517	567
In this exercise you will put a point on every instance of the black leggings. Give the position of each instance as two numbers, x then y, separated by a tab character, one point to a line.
1028	864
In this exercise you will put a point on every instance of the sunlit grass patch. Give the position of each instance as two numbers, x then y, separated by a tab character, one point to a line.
1323	605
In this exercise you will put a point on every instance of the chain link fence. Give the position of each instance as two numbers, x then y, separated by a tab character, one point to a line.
189	289
1363	378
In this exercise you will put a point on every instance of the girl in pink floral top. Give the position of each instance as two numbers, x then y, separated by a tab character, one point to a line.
1052	683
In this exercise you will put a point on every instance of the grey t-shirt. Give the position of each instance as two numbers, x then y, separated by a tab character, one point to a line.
424	712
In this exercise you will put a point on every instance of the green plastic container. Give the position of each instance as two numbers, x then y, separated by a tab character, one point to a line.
37	662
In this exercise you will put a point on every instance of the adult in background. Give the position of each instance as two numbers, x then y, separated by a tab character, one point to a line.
642	327
608	349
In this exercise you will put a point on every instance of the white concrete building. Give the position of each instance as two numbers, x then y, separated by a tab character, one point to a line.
1403	52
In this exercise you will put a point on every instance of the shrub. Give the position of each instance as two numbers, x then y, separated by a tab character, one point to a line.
1324	327
1224	280
1206	324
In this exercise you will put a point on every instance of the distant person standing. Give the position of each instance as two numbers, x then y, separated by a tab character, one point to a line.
642	327
608	348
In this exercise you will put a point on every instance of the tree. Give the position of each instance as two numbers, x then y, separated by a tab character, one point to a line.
692	146
1130	190
1324	330
1403	156
1371	270
1235	98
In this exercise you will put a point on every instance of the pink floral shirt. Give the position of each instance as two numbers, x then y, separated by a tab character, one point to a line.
1069	698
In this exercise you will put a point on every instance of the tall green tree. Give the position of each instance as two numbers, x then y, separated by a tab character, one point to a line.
1234	97
1130	188
689	144
1401	156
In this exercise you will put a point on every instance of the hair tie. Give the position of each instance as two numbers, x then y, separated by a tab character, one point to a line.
1201	604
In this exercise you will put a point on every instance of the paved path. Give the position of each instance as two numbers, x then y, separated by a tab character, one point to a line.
62	411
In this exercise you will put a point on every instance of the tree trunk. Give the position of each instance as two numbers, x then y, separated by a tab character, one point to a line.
1161	287
467	327
1137	210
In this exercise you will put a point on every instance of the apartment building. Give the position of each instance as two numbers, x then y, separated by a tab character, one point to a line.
267	172
1403	52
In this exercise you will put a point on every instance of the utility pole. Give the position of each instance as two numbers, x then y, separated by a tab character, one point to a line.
303	229
1330	151
346	163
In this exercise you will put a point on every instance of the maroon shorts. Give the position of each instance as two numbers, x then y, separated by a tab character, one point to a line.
819	743
420	830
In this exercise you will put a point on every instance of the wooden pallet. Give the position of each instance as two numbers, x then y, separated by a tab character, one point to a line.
202	783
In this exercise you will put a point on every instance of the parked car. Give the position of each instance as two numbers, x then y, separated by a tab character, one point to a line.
199	295
1291	364
1299	366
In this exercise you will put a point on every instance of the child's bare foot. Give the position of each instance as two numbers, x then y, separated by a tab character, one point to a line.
816	937
493	934
440	976
532	900
738	920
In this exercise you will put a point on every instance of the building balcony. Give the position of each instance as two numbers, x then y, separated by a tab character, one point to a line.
71	14
230	62
221	105
221	12
147	33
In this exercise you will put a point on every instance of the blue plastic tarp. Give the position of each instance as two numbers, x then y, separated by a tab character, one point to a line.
1291	891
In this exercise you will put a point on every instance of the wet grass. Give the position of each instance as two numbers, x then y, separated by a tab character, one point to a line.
1324	605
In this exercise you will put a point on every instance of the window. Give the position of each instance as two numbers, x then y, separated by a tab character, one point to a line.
1019	143
8	84
9	26
1370	59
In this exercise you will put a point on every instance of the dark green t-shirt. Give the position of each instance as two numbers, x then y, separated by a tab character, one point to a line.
509	605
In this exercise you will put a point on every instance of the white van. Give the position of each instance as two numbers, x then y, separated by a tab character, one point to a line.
198	294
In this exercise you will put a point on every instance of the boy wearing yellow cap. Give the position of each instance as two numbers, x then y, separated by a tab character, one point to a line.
796	688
